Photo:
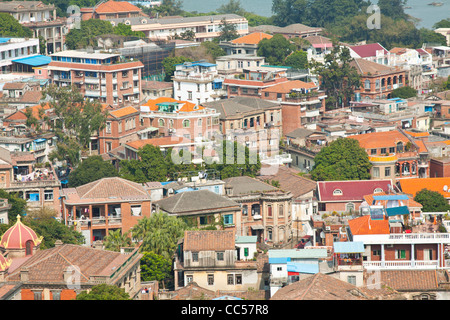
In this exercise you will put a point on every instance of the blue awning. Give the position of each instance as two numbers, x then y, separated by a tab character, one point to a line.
391	197
34	61
397	210
40	140
348	247
3	40
303	267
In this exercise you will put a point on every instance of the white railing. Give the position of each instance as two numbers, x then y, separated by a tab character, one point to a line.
403	238
408	264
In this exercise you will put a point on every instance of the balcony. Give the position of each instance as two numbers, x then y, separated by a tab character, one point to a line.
92	80
406	264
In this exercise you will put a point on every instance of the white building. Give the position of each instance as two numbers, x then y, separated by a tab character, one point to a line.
197	82
14	49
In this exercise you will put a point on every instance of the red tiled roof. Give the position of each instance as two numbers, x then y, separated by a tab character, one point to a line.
368	50
380	139
352	190
209	240
116	7
365	225
162	141
123	112
252	38
286	87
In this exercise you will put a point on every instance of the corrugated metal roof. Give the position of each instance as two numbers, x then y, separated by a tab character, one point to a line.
397	210
348	247
298	253
34	61
246	239
303	267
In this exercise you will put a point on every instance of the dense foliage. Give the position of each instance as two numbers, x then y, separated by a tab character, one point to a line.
155	267
404	92
432	201
104	292
91	169
10	27
276	49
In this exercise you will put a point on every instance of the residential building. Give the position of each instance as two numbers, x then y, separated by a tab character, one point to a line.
265	210
319	47
42	20
179	118
4	208
13	51
206	28
291	31
244	45
202	208
156	89
251	121
232	65
412	186
176	144
209	258
107	204
109	9
291	265
19	95
347	196
197	82
105	77
445	32
64	271
373	52
394	154
377	80
441	60
302	103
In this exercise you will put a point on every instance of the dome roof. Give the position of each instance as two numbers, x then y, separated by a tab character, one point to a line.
17	236
4	263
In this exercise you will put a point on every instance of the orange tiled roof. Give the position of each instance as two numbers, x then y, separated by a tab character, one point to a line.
287	86
365	225
187	106
162	141
252	38
412	186
116	6
119	113
417	134
421	145
379	139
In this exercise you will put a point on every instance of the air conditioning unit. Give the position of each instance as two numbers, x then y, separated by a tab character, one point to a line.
327	228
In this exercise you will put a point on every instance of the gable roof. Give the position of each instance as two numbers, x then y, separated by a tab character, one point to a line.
381	139
410	280
205	240
364	67
198	201
115	7
252	38
365	225
352	190
122	112
104	190
368	50
159	142
247	185
238	106
288	86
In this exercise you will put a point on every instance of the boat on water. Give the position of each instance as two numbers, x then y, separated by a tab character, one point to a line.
436	4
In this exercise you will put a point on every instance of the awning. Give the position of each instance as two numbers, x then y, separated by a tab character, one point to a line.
397	211
34	61
303	267
257	227
149	129
3	40
348	247
40	140
391	197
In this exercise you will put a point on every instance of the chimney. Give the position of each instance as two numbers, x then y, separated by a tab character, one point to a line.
58	243
24	276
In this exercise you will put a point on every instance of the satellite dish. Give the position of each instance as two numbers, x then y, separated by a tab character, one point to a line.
445	188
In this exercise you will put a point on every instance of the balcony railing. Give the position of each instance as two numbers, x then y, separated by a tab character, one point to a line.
407	264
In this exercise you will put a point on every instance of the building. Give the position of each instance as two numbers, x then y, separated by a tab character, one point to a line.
165	144
347	196
244	45
19	95
156	89
251	121
20	55
232	65
209	258
266	211
103	205
302	103
206	28
62	272
291	31
377	80
109	9
394	154
445	32
197	82
105	77
179	118
202	208
319	47
42	20
412	186
373	52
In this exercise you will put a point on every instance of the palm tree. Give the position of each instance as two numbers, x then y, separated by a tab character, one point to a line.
116	240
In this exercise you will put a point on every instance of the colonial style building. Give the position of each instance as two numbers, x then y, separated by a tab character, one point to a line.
245	45
109	9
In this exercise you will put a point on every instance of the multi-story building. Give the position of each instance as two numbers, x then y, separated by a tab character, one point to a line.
109	9
250	121
210	259
232	65
206	28
42	19
197	82
302	103
373	52
296	30
106	77
247	44
377	80
103	205
20	55
180	118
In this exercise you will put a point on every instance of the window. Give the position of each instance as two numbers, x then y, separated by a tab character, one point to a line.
245	252
269	210
337	192
269	234
391	149
400	254
228	219
367	84
37	295
387	172
373	151
376	252
48	195
220	256
199	122
210	279
189	278
238	279
244	210
186	123
383	151
136	210
280	210
203	220
56	295
195	256
350	207
351	280
161	122
124	74
189	95
375	172
108	127
230	279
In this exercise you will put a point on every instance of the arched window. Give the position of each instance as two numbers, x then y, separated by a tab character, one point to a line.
29	247
378	190
367	84
161	122
350	207
337	192
186	123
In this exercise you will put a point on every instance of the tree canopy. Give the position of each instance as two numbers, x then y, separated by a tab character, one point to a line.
228	31
115	240
404	92
276	49
18	205
432	201
10	27
91	169
169	63
297	60
155	267
342	159
104	292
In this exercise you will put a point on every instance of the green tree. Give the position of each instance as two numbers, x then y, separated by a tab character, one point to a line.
18	205
10	27
429	36
342	159
338	78
104	292
287	12
232	6
275	49
85	35
444	23
159	233
116	240
431	201
123	29
297	60
169	63
44	223
155	267
404	92
234	160
213	49
228	31
91	169
393	8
